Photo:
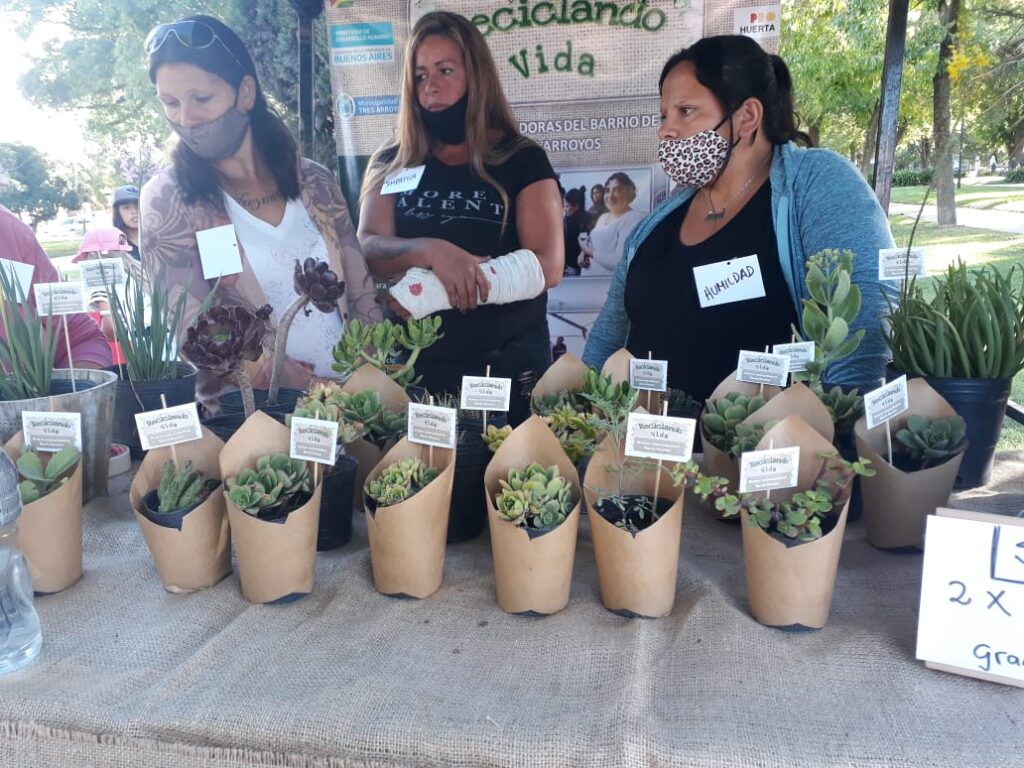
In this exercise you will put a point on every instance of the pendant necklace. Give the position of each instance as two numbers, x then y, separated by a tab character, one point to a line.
719	214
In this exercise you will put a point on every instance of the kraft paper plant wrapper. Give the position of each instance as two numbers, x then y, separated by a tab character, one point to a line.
275	560
363	451
617	365
50	529
407	540
566	374
637	574
896	504
198	555
531	575
792	585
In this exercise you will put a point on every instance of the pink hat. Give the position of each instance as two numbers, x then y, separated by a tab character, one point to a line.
103	240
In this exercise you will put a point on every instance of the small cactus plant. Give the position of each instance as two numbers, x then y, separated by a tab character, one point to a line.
273	489
400	481
38	482
722	416
535	497
929	443
182	489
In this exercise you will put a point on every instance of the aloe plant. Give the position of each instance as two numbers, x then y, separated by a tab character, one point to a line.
38	481
535	497
273	489
400	481
29	348
182	488
381	344
929	443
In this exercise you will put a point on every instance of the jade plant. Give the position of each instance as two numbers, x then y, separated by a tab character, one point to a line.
721	420
183	488
928	443
315	284
400	481
382	344
809	515
38	481
535	497
222	339
276	487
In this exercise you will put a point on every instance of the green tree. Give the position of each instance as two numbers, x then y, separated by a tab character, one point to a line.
33	187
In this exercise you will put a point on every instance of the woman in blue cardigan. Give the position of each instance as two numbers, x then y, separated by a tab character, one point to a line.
720	265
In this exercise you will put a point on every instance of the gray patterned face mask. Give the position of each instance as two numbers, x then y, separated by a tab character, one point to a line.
217	139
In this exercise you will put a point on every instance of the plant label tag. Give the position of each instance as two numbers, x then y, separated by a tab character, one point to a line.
169	426
762	368
49	432
404	180
102	273
769	469
483	393
648	374
971	616
800	353
218	251
886	402
314	440
20	274
897	264
432	425
60	298
667	438
728	281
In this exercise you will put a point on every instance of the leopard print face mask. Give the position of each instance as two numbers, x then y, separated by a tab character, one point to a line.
695	160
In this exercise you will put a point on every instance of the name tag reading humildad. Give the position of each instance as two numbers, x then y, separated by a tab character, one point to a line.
403	181
762	368
770	469
667	438
168	426
49	432
728	281
483	393
314	440
432	425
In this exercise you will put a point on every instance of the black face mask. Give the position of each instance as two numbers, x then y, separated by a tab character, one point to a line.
447	125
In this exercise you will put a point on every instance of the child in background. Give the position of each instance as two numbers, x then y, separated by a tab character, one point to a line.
104	243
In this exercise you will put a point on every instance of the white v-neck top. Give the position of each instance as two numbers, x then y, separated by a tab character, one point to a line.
272	252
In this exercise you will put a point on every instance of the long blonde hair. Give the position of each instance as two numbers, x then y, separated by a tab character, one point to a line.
486	109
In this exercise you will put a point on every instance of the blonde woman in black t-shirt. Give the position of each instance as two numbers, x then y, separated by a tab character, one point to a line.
485	192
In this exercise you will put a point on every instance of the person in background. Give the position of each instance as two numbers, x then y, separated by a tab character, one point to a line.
89	348
485	192
604	246
106	243
728	137
236	163
126	216
558	349
575	222
598	207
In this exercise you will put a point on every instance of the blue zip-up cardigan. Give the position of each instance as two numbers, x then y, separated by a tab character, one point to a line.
819	200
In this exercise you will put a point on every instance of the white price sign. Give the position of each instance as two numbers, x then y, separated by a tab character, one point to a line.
899	264
648	374
60	298
314	440
49	432
432	425
762	368
169	426
102	273
800	353
887	402
667	438
770	469
483	393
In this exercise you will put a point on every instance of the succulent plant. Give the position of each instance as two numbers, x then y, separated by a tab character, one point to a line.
578	433
270	491
535	497
223	338
494	436
381	345
365	407
721	417
929	443
747	437
39	481
400	481
184	488
845	407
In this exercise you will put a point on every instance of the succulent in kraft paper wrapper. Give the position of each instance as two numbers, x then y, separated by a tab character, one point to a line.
273	489
535	497
37	482
494	436
184	488
380	345
927	443
722	416
400	481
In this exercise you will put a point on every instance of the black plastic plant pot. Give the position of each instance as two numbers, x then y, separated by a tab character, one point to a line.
636	510
847	447
467	513
223	426
231	402
141	396
336	505
151	510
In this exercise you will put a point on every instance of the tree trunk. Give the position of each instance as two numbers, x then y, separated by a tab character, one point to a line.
870	141
945	192
924	150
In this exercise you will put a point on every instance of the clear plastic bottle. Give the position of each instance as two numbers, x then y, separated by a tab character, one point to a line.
20	634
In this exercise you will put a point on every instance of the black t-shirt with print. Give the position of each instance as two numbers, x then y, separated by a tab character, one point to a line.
666	319
453	203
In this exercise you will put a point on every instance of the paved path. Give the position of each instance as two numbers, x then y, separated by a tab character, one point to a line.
999	221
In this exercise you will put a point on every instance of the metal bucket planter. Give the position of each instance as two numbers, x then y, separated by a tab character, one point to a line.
94	400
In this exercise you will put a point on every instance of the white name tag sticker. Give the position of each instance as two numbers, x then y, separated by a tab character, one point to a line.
49	432
20	274
102	273
403	181
800	353
60	298
648	374
770	469
483	393
314	440
762	368
168	426
887	402
729	281
432	425
893	263
667	438
218	251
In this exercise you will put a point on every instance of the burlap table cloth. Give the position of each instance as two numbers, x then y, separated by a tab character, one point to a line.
130	675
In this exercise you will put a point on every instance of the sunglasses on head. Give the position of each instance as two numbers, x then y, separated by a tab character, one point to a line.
189	33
